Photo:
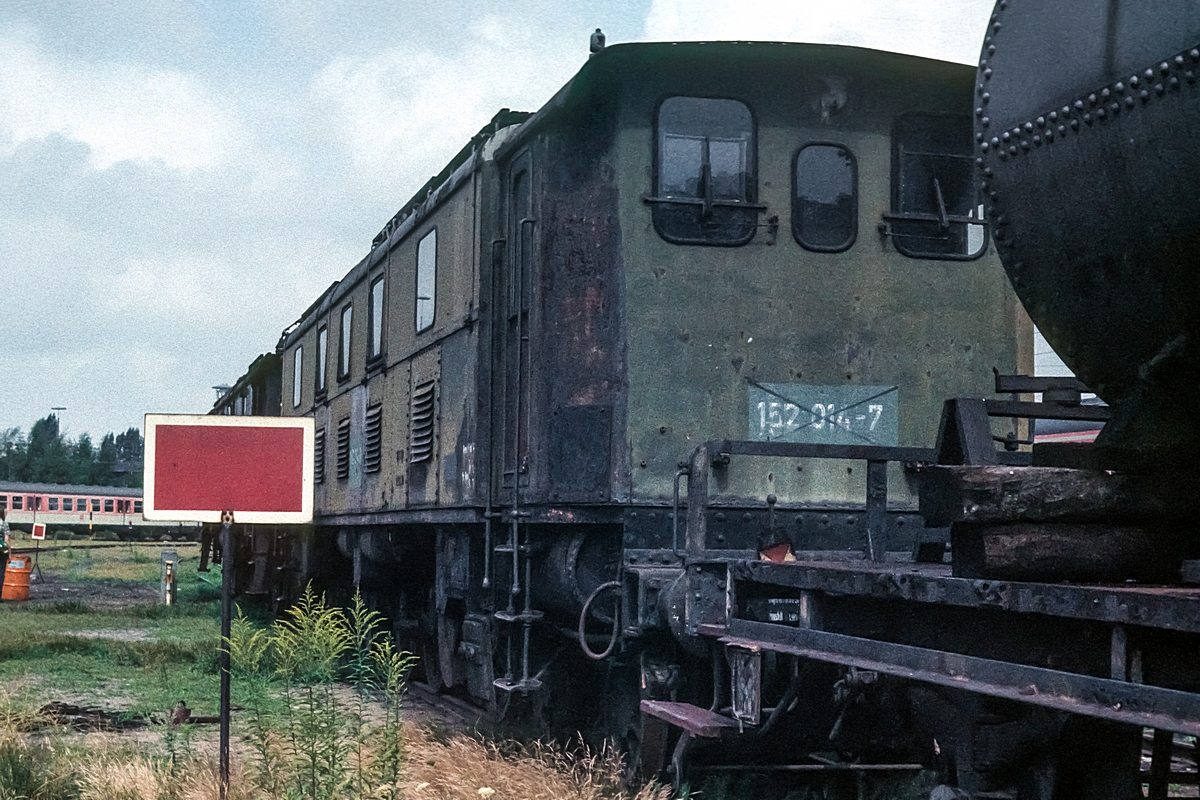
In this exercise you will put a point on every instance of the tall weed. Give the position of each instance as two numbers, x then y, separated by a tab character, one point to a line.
307	738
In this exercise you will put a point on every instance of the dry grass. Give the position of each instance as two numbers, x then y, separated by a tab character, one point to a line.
465	768
440	767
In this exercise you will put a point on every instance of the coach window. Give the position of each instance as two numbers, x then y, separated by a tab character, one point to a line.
297	371
426	280
375	321
81	504
825	198
17	503
53	502
344	343
322	350
108	506
68	503
137	506
96	506
3	501
707	187
936	212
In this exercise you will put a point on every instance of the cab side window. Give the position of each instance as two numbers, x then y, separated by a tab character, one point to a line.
706	186
825	198
936	211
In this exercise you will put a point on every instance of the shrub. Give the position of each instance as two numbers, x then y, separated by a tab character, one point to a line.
104	535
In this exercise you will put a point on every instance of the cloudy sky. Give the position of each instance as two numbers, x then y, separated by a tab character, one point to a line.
179	179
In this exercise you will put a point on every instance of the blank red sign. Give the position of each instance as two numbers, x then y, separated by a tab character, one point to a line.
39	530
259	468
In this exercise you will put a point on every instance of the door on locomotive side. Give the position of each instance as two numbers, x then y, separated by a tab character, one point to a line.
514	287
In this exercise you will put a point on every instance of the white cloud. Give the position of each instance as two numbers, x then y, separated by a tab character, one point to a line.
121	112
947	29
402	109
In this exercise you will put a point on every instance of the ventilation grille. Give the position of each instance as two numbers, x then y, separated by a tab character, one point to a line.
343	451
373	439
319	456
421	437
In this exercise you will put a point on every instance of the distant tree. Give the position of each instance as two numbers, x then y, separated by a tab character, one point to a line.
48	460
106	459
81	464
12	453
129	446
45	456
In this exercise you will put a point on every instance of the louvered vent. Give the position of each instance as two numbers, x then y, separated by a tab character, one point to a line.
421	438
343	451
319	456
373	439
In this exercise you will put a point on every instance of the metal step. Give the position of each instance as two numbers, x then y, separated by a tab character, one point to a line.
693	719
524	686
528	616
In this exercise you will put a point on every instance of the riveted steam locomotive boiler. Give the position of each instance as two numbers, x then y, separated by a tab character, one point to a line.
637	414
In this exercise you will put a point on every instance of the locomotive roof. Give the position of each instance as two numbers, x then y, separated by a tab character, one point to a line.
508	129
14	487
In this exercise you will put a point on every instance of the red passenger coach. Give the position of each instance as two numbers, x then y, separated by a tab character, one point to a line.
73	507
198	466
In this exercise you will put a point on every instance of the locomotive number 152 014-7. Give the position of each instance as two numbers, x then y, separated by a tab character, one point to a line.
845	414
780	417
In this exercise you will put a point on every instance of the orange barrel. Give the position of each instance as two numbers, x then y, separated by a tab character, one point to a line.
16	579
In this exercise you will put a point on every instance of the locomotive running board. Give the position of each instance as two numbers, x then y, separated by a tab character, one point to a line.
1135	704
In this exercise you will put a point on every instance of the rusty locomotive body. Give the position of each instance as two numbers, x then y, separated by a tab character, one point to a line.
625	416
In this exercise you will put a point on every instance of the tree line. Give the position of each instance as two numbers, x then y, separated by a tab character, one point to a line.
46	456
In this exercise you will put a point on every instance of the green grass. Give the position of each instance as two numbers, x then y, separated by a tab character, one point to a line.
139	657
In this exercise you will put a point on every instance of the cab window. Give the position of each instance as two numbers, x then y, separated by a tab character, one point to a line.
706	183
936	211
825	198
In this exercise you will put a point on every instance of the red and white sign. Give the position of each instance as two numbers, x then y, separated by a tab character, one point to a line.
39	530
260	468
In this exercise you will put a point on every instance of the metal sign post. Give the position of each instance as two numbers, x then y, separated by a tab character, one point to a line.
226	631
39	533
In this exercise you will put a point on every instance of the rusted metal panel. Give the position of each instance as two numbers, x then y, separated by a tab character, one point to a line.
745	671
693	719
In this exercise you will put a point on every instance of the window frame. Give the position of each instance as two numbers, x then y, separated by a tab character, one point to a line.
896	214
345	353
659	200
320	378
376	306
432	298
297	375
795	197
